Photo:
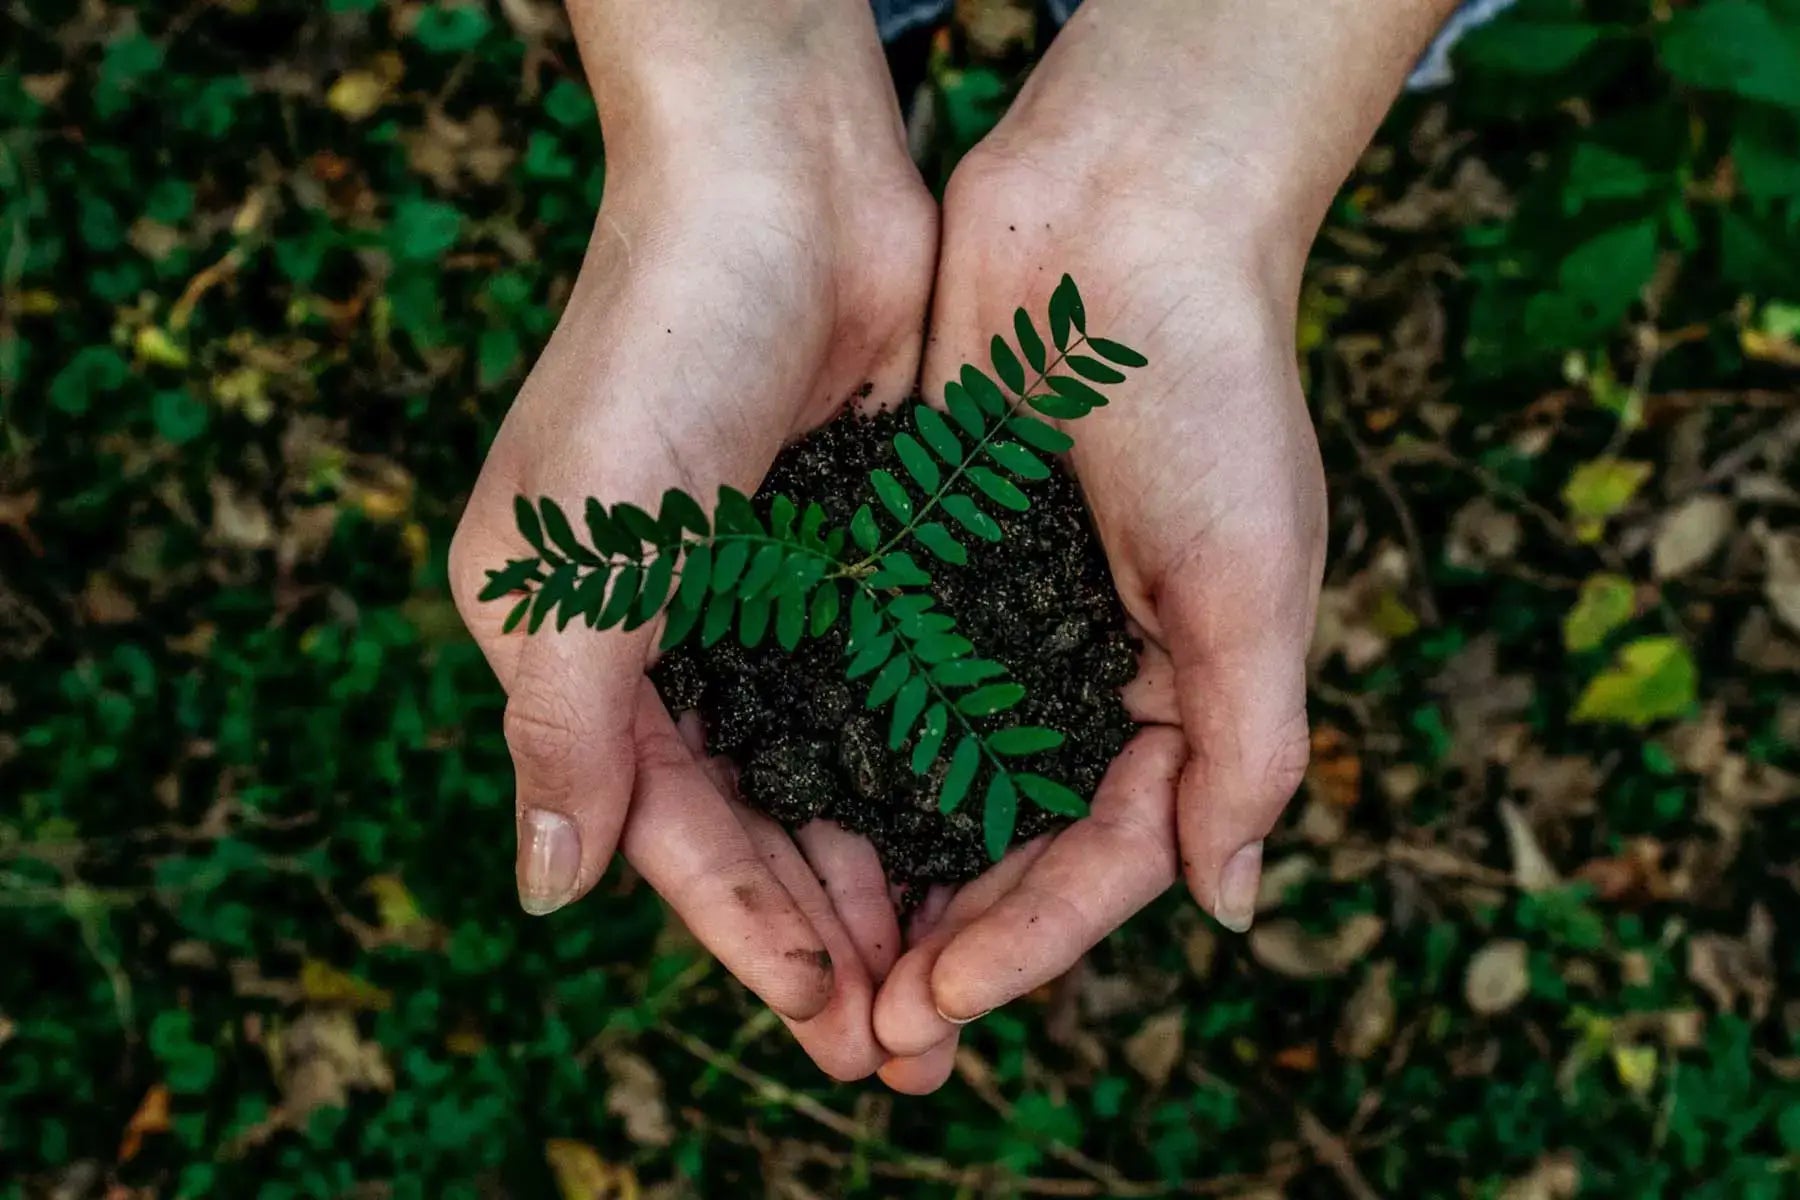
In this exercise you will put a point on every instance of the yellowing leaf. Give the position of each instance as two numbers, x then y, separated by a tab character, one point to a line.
398	911
1391	618
1599	489
581	1174
1605	603
356	95
1769	347
1651	679
1636	1066
326	984
153	344
36	302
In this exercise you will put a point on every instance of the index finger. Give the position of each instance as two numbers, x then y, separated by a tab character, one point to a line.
1093	877
683	838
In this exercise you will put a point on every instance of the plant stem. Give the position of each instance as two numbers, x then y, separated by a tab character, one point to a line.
943	489
924	671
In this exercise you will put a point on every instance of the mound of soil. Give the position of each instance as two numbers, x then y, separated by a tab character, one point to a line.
1041	601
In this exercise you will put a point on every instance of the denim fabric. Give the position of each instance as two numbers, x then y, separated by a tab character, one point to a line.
895	17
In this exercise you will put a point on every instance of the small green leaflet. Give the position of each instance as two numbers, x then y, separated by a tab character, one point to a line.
1000	813
1023	739
1051	796
961	774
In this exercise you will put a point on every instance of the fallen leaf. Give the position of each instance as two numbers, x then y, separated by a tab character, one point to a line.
1287	948
152	1116
1731	969
318	1060
356	95
1604	603
1556	1177
1334	771
1600	489
1481	532
238	520
1689	535
1636	1066
1652	679
1531	867
104	602
1280	878
1782	583
1498	977
1368	1020
634	1094
325	984
398	914
154	345
581	1174
1155	1048
1303	1058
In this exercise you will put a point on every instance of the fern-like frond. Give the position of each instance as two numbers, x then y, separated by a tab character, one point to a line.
735	573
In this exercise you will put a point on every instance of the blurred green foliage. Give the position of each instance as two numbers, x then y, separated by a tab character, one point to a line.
270	272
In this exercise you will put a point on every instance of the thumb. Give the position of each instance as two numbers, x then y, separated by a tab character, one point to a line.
1240	672
570	707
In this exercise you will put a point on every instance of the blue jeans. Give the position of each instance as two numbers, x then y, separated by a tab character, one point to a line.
895	17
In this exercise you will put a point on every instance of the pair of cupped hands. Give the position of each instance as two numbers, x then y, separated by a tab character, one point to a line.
766	248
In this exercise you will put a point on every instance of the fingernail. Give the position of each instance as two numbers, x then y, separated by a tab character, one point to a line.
549	860
1236	904
963	1020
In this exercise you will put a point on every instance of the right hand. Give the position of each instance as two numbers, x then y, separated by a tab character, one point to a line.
764	248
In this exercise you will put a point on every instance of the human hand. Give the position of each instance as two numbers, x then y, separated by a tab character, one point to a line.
1185	210
764	248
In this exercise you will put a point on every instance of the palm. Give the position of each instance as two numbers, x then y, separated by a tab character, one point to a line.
1204	483
697	341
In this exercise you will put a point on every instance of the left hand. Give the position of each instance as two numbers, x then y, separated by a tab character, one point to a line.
1204	481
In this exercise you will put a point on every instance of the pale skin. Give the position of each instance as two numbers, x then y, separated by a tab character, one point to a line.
764	248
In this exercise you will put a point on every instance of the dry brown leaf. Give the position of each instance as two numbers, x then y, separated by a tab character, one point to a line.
634	1094
1482	533
320	1057
1731	969
1498	977
1368	1020
1556	1177
1303	1058
1155	1048
152	1116
1782	583
1281	877
1689	535
240	521
1334	771
1286	948
104	602
1531	867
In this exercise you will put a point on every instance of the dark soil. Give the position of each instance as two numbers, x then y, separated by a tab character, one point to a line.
1041	601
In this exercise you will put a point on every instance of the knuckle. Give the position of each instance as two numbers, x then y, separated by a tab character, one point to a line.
1290	753
544	736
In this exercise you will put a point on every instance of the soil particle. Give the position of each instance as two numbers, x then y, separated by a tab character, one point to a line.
1041	601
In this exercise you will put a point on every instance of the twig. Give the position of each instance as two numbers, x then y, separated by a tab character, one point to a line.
1376	469
1334	1156
1784	432
904	1164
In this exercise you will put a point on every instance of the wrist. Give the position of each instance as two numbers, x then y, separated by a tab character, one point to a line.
781	87
1248	114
